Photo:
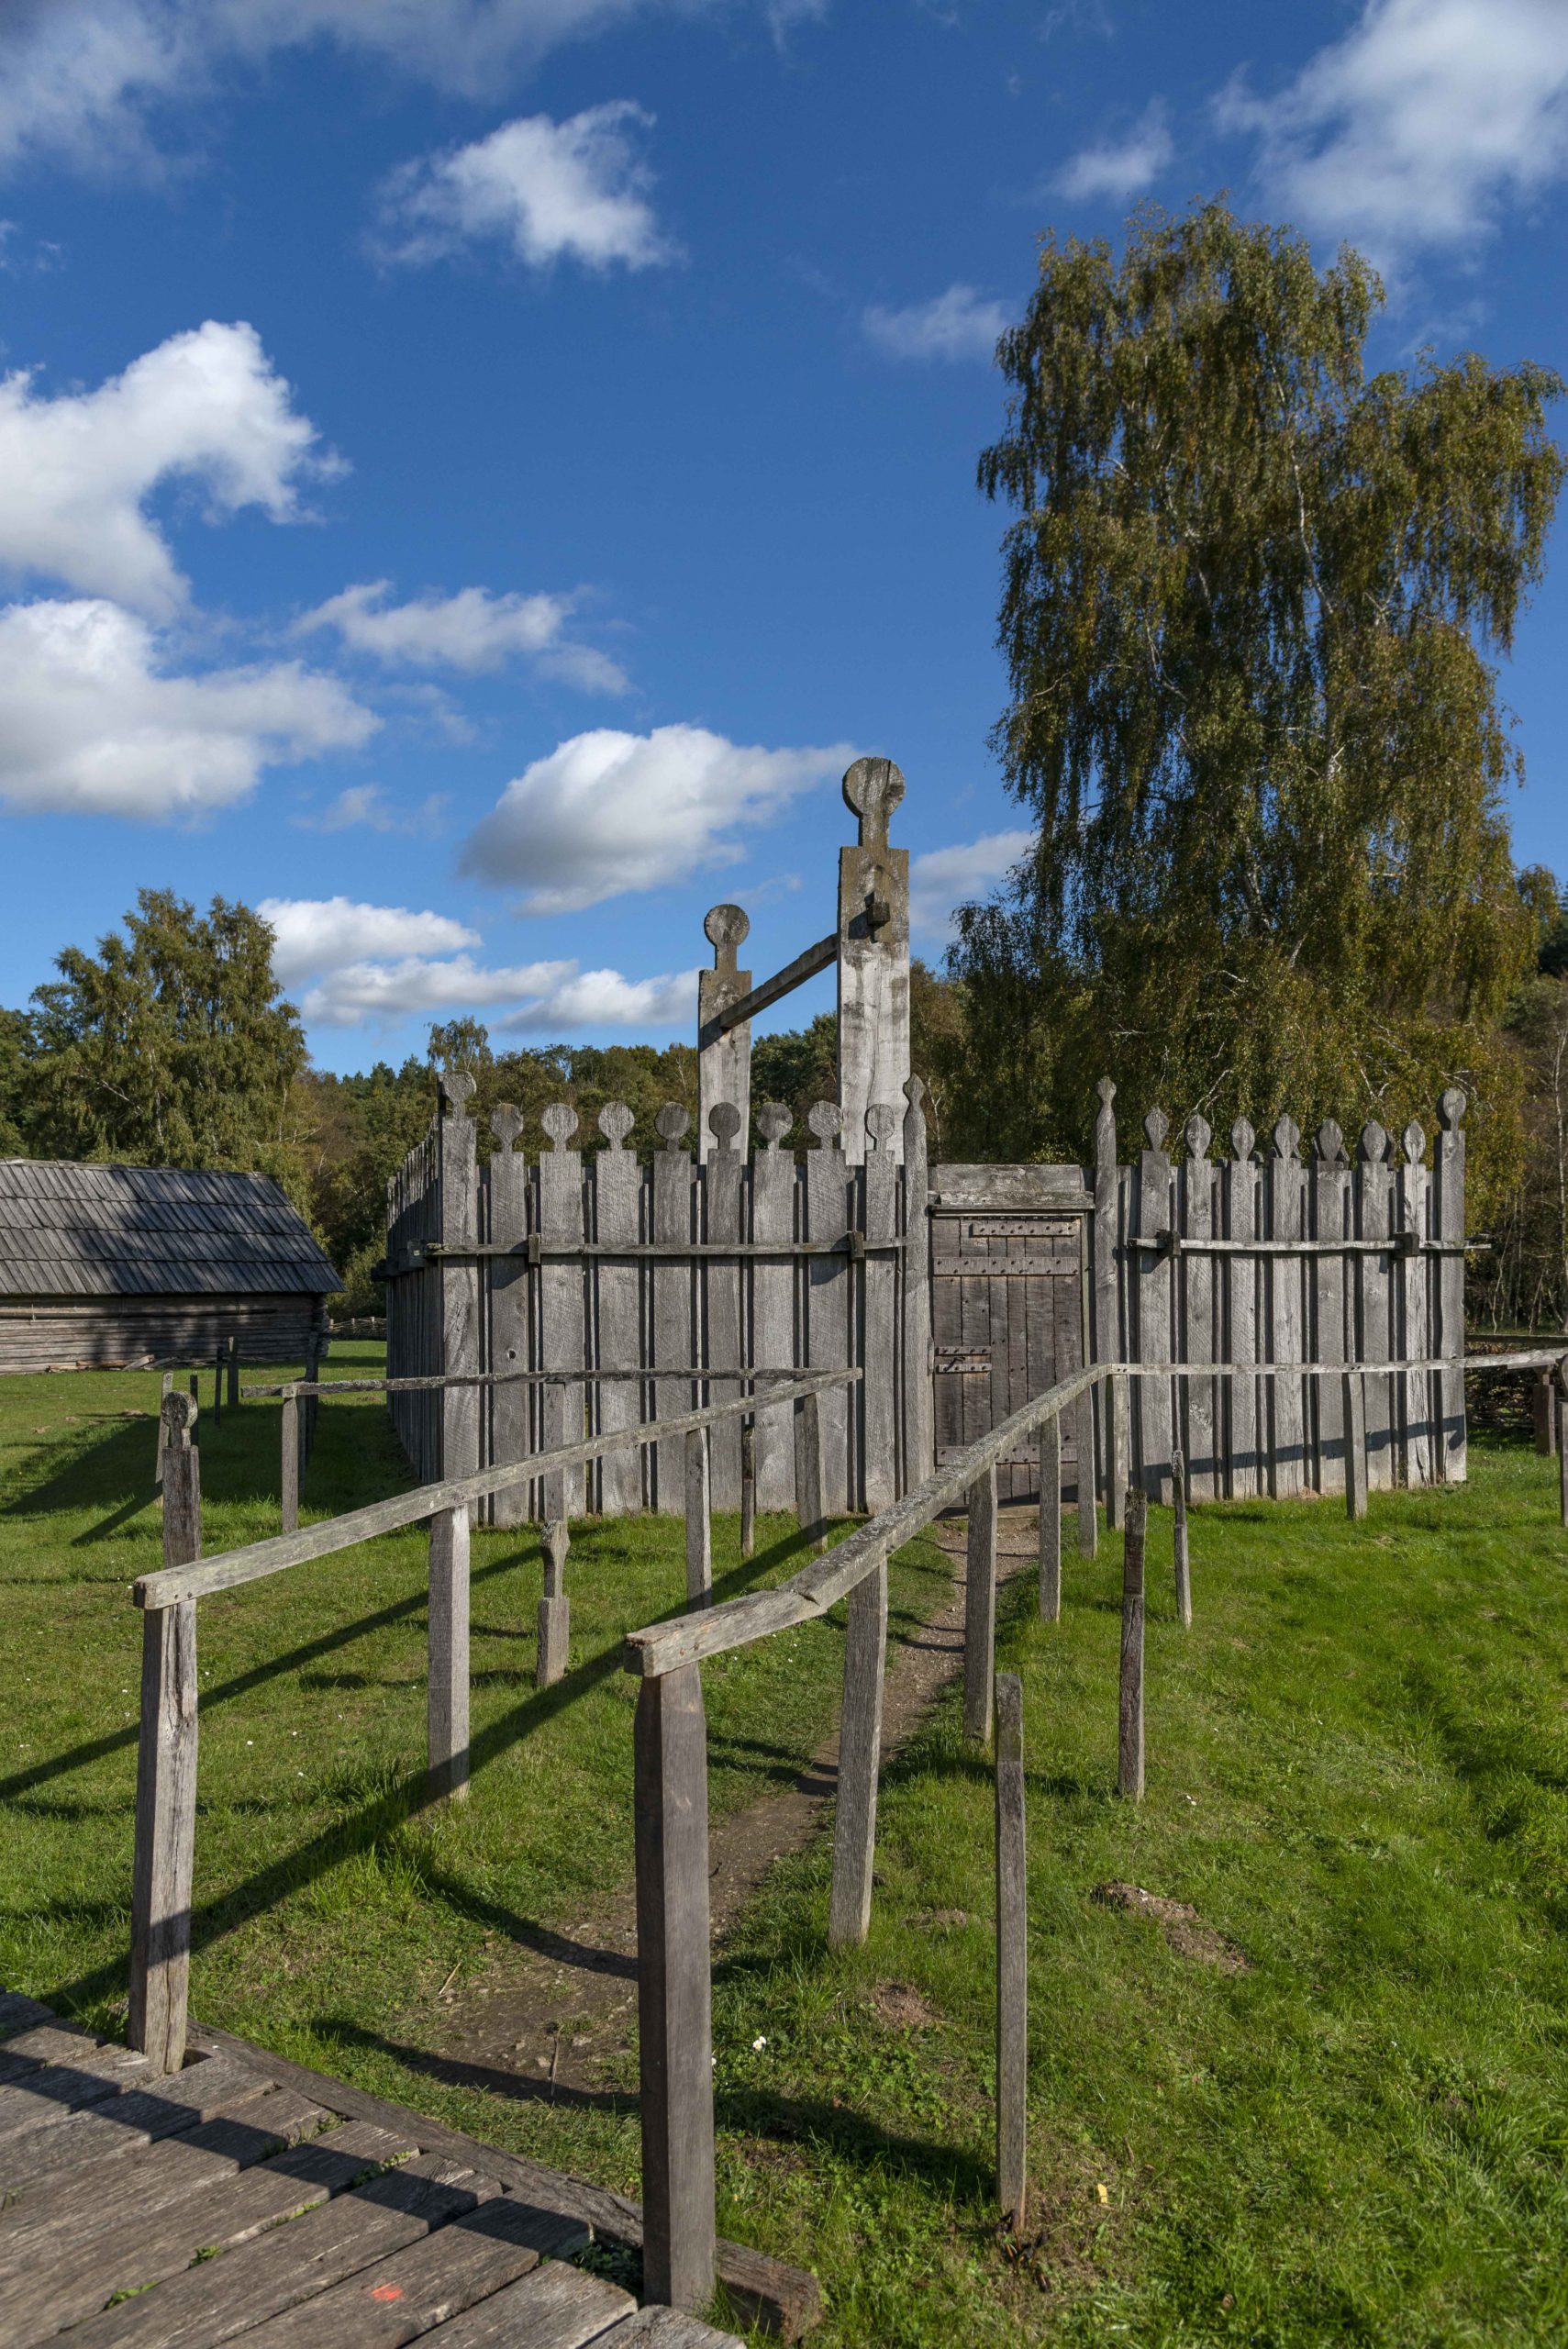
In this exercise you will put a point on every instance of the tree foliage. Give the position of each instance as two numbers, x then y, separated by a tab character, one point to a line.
1253	597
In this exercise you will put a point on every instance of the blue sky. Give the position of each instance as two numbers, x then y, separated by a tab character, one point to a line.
473	471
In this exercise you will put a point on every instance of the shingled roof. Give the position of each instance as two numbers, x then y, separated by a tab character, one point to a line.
68	1230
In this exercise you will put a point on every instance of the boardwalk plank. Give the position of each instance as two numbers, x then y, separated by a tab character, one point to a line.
557	2308
68	2137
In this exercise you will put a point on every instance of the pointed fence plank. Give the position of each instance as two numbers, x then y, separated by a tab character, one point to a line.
1331	1197
675	1316
1155	1319
511	1407
617	1332
1196	1398
1286	1194
827	1296
722	1282
1374	1287
773	1340
1241	1187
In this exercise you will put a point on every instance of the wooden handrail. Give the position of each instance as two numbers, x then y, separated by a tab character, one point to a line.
274	1556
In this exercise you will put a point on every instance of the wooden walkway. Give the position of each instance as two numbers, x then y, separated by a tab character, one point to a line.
244	2200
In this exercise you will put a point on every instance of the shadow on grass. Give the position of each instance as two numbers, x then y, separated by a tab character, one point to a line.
402	1800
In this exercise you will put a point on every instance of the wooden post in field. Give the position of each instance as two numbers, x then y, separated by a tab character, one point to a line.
290	1480
218	1387
1088	1517
809	1505
1012	1957
166	1389
699	1522
748	1487
724	1055
166	1772
554	1607
195	1406
448	1706
1355	1445
1545	1419
874	958
860	1759
231	1362
980	1610
1561	1396
1179	1540
1129	1741
1050	1520
675	1991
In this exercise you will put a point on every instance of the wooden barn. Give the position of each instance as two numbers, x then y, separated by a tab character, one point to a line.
102	1266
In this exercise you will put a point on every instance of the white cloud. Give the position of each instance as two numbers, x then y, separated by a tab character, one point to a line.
206	406
82	76
365	804
317	934
943	878
608	812
959	324
553	190
92	723
605	1000
1119	167
1413	130
472	631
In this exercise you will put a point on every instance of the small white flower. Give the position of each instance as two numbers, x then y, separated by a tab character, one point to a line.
758	2044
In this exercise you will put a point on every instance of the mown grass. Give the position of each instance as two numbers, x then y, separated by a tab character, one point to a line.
1358	1772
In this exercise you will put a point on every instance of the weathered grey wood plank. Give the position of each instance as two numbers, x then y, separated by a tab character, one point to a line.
1051	1521
1247	1475
1330	1170
748	1488
39	2140
877	1407
1414	1390
1154	1316
722	1285
915	1455
166	1780
724	1044
699	1520
873	953
555	2308
1353	1390
276	2271
19	2013
674	1965
1180	1556
457	1281
1447	1156
674	1338
1283	1290
980	1610
289	1474
1196	1398
1012	1958
773	1301
1374	1298
810	1509
1107	1332
554	1638
828	1294
665	2328
562	1304
618	1196
510	1413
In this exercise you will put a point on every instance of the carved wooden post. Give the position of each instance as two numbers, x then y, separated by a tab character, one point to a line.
1179	1542
447	1691
1447	1217
1012	1957
1106	1332
290	1475
877	1349
723	1283
699	1522
675	1991
810	1513
916	1463
457	1276
1050	1520
166	1389
166	1772
980	1610
874	953
860	1759
554	1607
748	1488
1129	1740
724	1057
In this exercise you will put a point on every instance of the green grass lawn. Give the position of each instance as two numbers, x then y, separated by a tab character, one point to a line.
1358	1773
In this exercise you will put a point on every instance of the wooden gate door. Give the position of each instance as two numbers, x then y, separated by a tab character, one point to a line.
1008	1304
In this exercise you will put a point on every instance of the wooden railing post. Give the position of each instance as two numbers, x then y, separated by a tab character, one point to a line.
290	1475
699	1520
1088	1516
1545	1418
1559	1400
448	1698
217	1386
1355	1445
1012	1957
1050	1520
1179	1540
748	1488
166	1773
1118	1466
810	1510
232	1358
980	1610
1130	1743
674	1991
860	1760
554	1607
